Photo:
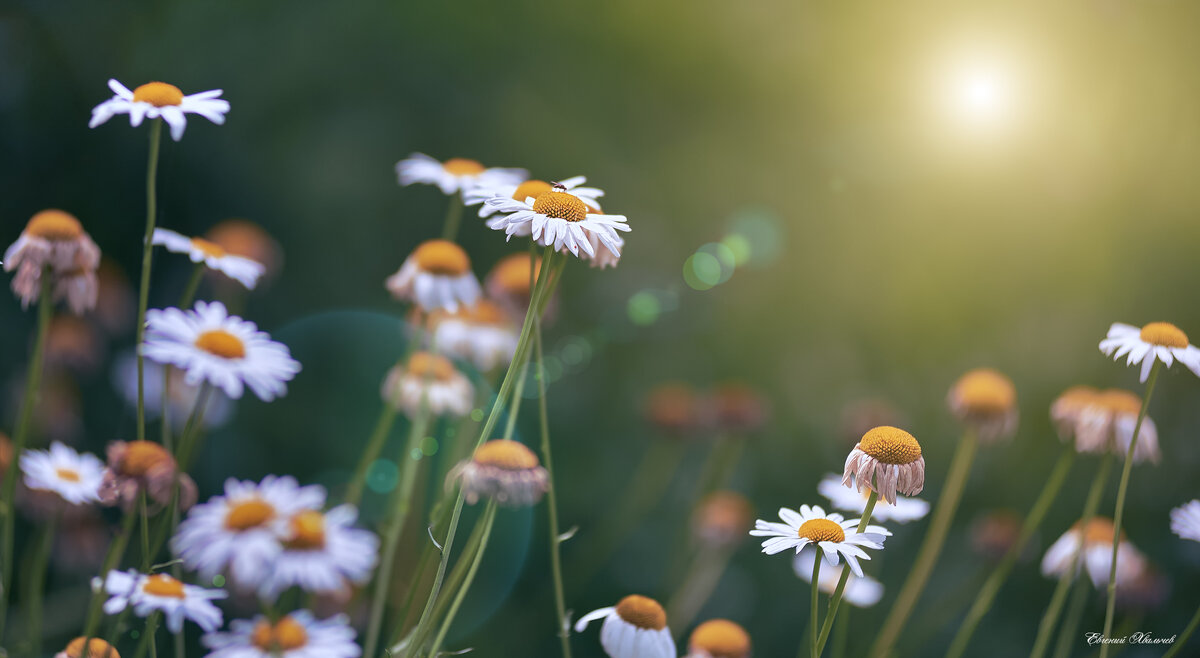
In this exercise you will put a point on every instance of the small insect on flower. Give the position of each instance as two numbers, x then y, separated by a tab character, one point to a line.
55	241
482	334
455	174
96	648
155	100
835	536
241	269
210	345
144	466
561	219
1160	341
860	591
149	593
75	477
322	553
1097	546
905	509
1185	520
529	189
297	634
891	458
428	383
1106	424
635	628
719	638
722	519
986	401
436	275
503	470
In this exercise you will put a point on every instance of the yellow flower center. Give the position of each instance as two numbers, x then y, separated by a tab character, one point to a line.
506	454
720	638
463	167
247	514
163	585
442	257
221	343
561	205
985	391
55	226
821	530
285	635
1164	334
96	648
890	445
208	248
1120	402
67	474
141	456
532	188
428	365
642	612
512	273
158	94
308	531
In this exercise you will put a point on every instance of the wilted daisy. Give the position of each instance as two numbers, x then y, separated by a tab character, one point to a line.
322	552
1160	341
437	275
1097	540
75	477
833	534
844	498
213	255
986	401
890	456
505	471
635	628
561	219
224	350
1185	520
135	467
55	240
428	383
96	648
455	174
1106	424
719	638
860	591
159	99
159	592
295	635
482	334
1067	407
722	519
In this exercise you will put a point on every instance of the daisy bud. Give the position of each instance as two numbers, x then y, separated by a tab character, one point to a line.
719	638
505	471
891	458
55	240
985	401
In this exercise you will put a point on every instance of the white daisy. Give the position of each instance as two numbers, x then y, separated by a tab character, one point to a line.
860	591
1097	541
436	275
561	219
834	535
1106	424
454	174
161	593
213	255
482	334
634	628
295	635
242	533
844	498
210	345
1160	341
75	477
529	189
322	552
1185	520
428	383
159	99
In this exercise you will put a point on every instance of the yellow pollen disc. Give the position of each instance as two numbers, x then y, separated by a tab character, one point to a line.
1098	531
642	612
506	454
1164	334
54	225
250	513
163	585
158	94
428	365
822	530
221	343
1120	402
308	531
720	638
463	167
442	257
67	474
512	272
890	445
141	456
97	648
985	391
531	188
561	205
208	248
285	635
1078	395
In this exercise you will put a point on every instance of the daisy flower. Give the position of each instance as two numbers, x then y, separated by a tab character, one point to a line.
719	638
455	174
55	240
1107	422
226	351
437	275
561	219
834	535
481	334
986	401
635	628
1185	520
241	269
722	519
1097	546
322	551
844	498
242	237
428	383
96	648
149	593
860	591
1160	341
1067	407
889	456
529	189
295	635
155	100
75	477
144	466
505	471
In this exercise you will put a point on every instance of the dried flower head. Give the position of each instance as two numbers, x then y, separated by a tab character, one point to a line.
986	401
674	409
505	471
888	460
136	466
738	409
54	242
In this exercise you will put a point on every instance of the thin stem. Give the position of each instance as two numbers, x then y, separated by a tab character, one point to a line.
1186	635
116	549
931	547
453	217
37	584
147	251
489	518
987	593
514	409
147	557
812	628
836	599
1079	597
564	632
193	284
841	635
148	637
383	427
1122	489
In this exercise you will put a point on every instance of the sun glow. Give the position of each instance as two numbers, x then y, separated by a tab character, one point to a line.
981	93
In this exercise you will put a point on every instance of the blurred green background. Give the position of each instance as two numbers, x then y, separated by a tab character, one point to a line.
908	190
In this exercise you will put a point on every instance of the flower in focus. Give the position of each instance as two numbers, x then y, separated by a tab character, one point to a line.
198	250
1185	520
482	334
737	409
1097	546
844	498
1160	341
986	401
55	241
505	471
323	552
155	100
181	396
241	237
561	219
428	383
529	189
860	592
719	638
889	457
295	635
859	416
136	466
455	174
674	409
96	648
835	536
635	628
722	519
1067	407
75	477
161	593
224	350
437	275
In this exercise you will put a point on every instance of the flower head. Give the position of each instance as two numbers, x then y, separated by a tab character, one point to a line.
144	466
149	593
1067	407
994	532
322	552
54	242
719	638
437	275
1096	542
482	334
722	519
75	477
635	628
844	498
561	219
1185	520
835	536
888	460
428	383
295	635
155	100
213	255
1161	341
455	174
242	237
96	648
1107	422
505	471
529	189
986	401
861	591
508	284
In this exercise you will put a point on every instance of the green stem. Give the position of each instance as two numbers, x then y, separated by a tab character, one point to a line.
193	284
147	641
147	557
987	593
116	549
812	629
453	217
931	547
836	599
564	631
144	286
489	518
1183	638
37	584
1079	597
1118	515
841	635
383	427
510	425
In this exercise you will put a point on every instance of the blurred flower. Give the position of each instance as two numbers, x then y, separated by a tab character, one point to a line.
673	408
75	477
136	466
635	628
323	552
161	593
428	383
737	409
454	174
503	470
241	237
198	250
860	416
722	519
993	533
1107	425
1185	520
529	189
719	638
561	219
1158	340
508	285
83	540
115	301
224	350
1146	592
844	498
986	401
437	275
1097	541
96	648
889	456
860	592
56	240
295	635
181	396
1067	407
72	344
831	533
482	334
155	100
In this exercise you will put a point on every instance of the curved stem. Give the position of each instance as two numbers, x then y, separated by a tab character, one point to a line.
836	599
1184	636
489	518
144	286
564	631
812	628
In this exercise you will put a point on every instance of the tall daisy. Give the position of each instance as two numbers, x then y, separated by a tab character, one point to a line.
889	457
635	628
297	634
75	477
159	99
986	401
561	219
150	593
478	195
905	509
836	537
1157	341
455	174
323	552
213	255
437	275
